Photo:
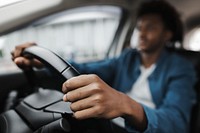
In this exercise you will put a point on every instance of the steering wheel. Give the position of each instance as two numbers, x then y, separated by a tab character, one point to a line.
52	61
44	111
44	106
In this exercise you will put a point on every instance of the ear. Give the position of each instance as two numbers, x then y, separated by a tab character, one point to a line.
168	35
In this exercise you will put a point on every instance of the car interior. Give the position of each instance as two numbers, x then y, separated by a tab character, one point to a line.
80	30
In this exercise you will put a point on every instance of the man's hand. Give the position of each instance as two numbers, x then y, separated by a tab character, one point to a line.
92	98
24	62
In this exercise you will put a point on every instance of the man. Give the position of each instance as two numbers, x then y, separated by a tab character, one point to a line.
150	88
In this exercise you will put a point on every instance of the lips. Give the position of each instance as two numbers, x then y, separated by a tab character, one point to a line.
142	42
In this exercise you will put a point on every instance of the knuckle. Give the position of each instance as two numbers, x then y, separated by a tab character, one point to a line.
97	86
99	110
31	43
97	99
18	46
94	77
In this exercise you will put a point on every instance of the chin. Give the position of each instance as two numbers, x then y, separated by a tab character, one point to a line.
145	50
139	48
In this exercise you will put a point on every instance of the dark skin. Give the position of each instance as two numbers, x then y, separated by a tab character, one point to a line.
91	97
152	38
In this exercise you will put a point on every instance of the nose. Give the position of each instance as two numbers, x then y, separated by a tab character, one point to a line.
141	34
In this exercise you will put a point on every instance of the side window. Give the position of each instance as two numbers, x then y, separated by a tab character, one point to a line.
82	34
192	40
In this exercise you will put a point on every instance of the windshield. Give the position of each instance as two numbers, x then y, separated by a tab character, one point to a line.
81	34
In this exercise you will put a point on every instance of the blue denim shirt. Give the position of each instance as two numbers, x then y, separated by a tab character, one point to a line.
171	85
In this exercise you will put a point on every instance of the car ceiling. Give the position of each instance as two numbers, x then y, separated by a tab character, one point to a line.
13	16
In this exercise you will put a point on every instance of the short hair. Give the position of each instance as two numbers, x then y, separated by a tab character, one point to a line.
169	15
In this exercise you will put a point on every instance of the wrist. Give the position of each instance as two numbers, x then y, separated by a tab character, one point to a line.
134	114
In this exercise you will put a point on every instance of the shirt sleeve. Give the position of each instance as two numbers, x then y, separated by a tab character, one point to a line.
105	69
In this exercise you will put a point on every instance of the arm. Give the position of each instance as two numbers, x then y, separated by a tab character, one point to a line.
173	115
95	95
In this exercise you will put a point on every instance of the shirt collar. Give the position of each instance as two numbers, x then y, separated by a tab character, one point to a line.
158	63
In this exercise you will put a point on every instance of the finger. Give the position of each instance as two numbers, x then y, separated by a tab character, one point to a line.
82	104
13	55
25	63
79	93
19	48
78	81
17	52
21	61
86	113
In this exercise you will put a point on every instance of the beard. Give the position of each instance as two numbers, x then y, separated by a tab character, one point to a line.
149	48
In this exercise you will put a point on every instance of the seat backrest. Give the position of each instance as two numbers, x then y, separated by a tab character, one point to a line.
194	58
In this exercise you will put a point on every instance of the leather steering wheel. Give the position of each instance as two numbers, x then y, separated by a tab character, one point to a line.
52	61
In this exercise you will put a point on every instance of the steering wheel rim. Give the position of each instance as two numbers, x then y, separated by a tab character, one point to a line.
52	61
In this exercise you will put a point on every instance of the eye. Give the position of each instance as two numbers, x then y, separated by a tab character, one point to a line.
150	27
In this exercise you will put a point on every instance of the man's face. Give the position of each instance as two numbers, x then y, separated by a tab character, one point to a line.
152	33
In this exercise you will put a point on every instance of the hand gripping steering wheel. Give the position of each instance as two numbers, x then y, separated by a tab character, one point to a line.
58	65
